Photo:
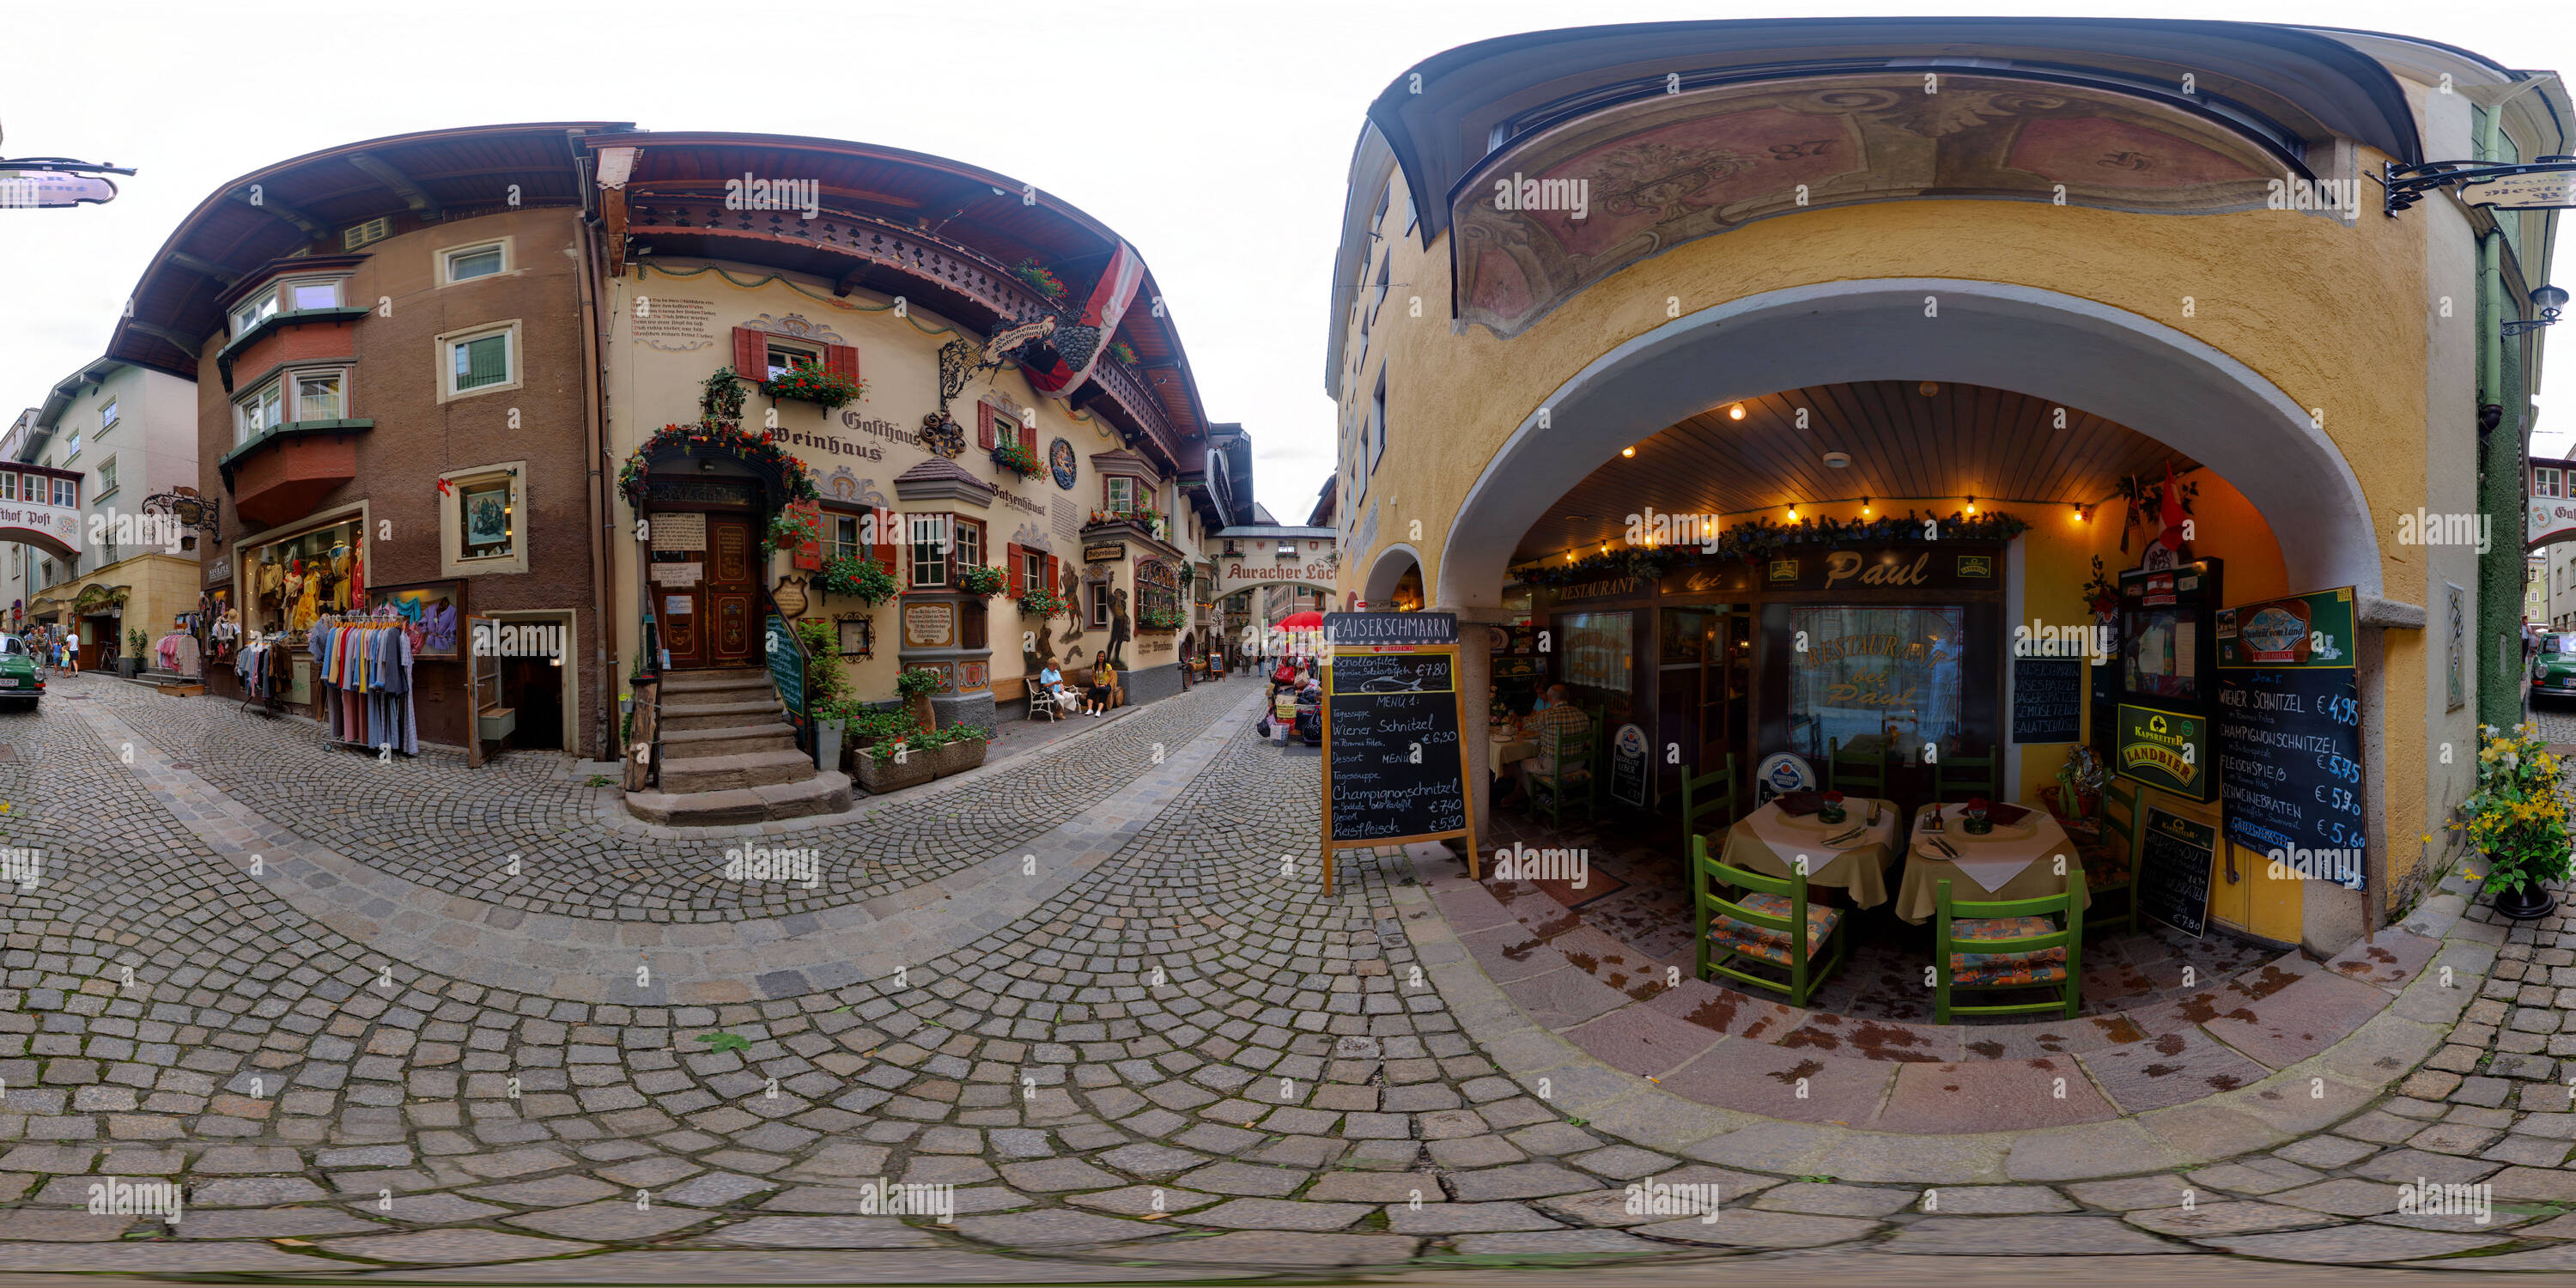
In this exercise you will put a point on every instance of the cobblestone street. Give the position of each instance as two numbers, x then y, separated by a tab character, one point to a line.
387	1018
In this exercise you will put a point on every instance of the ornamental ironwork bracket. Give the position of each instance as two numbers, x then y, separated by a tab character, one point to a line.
2407	184
192	512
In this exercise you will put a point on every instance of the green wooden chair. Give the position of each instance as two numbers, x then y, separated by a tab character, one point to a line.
1737	933
1709	796
1574	783
2010	944
1856	774
2111	863
1959	778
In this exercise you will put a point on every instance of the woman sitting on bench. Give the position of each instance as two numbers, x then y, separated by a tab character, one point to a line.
1104	683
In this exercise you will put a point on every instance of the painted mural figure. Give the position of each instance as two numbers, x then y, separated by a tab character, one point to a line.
1118	633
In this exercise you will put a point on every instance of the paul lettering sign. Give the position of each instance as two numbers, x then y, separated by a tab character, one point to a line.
2166	750
1925	567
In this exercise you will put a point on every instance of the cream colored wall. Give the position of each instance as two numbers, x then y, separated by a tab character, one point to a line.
898	358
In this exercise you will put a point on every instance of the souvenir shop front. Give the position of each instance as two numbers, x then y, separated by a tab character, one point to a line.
301	631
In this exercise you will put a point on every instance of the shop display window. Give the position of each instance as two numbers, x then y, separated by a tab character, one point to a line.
287	583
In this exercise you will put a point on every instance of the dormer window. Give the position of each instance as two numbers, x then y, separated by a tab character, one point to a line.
291	295
253	311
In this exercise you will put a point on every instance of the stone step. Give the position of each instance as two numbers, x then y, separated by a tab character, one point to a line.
682	775
732	740
714	681
720	715
825	793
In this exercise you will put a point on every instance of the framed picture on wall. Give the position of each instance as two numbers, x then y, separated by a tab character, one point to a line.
434	613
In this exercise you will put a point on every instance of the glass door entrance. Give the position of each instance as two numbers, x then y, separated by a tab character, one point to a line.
1704	683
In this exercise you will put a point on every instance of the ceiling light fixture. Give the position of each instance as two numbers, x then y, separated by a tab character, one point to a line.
1838	460
1627	451
1972	505
1864	507
1735	412
1793	512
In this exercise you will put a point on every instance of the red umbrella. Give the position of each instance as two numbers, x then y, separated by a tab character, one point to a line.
1306	621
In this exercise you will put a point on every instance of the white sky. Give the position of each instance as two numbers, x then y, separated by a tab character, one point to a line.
1214	134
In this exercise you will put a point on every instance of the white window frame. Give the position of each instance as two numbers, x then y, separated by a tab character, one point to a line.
448	255
247	411
926	530
65	494
794	349
1032	569
444	354
834	547
259	308
106	485
966	545
295	381
72	448
107	417
2544	481
1099	605
1109	493
287	287
452	559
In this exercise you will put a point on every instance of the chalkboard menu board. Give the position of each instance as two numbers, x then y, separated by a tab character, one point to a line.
1397	772
2048	700
2174	854
2289	734
787	671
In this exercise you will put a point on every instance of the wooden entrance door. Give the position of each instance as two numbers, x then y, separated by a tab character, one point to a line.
721	624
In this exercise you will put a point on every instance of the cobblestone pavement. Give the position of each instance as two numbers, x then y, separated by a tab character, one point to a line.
1116	1017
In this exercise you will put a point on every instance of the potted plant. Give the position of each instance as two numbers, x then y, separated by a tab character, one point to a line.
2518	822
864	580
720	398
958	748
1041	603
983	580
894	764
138	647
1118	349
1159	619
1038	279
806	382
788	529
1018	457
916	686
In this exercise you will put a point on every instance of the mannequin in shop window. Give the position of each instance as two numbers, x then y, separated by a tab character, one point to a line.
307	605
341	564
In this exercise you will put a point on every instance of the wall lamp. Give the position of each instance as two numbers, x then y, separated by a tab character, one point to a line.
2549	299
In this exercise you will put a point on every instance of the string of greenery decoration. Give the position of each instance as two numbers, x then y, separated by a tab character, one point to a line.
1758	539
758	447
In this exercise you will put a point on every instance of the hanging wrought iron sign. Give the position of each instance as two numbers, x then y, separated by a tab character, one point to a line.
2546	184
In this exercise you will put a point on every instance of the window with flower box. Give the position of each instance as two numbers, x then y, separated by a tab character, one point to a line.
943	546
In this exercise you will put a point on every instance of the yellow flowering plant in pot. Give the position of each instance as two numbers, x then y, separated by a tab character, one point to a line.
2518	820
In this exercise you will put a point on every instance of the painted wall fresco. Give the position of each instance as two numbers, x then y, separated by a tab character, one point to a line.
1581	201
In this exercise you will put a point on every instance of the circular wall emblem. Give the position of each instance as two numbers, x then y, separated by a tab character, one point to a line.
1060	463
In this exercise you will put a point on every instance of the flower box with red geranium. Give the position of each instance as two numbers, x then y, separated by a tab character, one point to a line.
809	382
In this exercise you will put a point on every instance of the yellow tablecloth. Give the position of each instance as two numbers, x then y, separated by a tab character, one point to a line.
1918	897
1509	750
1860	870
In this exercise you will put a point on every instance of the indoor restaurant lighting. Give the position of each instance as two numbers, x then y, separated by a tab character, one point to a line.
1627	451
1735	412
1972	506
1864	507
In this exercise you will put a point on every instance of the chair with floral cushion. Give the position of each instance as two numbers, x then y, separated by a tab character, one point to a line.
2009	944
1755	928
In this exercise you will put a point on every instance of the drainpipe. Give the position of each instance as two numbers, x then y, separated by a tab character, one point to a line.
595	387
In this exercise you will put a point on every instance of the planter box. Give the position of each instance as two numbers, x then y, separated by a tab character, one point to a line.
882	776
957	757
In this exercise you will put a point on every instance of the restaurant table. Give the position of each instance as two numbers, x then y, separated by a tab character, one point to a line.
2015	857
1769	839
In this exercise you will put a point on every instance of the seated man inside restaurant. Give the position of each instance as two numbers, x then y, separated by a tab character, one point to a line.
1553	716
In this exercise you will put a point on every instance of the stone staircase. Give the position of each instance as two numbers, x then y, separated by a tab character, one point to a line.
729	756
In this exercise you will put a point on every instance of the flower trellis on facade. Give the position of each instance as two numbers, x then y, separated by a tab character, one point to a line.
760	448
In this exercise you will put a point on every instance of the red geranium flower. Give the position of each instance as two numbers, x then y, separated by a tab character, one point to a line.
1977	803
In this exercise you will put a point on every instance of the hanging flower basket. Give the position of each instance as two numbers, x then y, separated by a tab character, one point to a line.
1159	619
983	581
714	438
1038	279
1041	604
1018	457
806	382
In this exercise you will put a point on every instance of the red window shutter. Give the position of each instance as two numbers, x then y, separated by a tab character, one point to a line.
750	353
1029	437
841	360
808	555
1018	581
984	426
1055	575
886	525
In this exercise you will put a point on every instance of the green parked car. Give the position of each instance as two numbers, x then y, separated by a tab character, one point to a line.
20	676
2553	668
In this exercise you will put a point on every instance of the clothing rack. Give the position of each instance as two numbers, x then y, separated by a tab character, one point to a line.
386	716
260	694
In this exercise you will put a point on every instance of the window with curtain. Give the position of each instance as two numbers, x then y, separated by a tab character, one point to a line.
929	550
318	396
844	536
1875	677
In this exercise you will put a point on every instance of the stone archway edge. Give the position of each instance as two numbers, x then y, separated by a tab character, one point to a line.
2352	1073
416	928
